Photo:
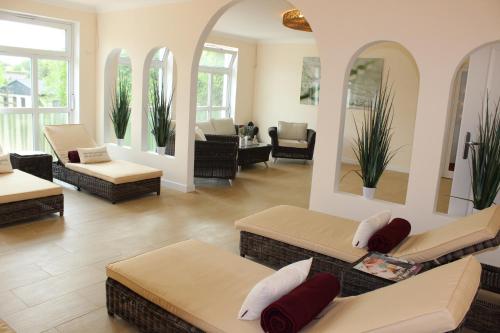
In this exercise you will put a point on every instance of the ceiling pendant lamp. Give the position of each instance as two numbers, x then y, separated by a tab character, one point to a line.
294	19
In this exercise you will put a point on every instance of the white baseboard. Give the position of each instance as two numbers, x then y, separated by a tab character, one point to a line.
177	186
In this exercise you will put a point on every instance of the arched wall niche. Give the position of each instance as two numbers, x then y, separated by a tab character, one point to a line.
162	60
475	76
371	67
116	59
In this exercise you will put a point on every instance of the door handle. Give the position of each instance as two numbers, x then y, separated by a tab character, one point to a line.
468	144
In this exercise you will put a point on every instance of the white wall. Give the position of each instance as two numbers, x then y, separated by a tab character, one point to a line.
404	76
247	52
277	86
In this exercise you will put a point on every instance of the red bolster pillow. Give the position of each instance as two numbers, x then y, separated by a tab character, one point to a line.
298	308
73	156
389	236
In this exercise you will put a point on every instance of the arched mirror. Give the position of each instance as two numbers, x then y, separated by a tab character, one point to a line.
380	113
158	115
470	176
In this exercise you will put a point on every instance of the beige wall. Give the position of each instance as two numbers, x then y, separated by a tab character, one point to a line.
86	56
404	77
277	86
247	51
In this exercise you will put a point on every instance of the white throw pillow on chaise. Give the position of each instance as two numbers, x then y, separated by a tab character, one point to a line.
368	227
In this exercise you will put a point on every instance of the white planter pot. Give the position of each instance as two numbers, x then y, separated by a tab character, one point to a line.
160	150
369	192
120	142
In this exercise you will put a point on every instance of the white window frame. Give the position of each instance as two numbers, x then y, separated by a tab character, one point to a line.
230	71
35	55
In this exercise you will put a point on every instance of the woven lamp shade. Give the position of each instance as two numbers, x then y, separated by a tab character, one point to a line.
294	19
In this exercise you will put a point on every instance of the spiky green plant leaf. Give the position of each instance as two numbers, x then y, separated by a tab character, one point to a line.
373	138
159	113
120	106
485	157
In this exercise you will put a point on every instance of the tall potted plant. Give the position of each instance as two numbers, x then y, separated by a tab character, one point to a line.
373	140
159	115
120	108
485	157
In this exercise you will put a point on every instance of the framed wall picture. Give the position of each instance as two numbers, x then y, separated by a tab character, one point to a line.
364	81
310	85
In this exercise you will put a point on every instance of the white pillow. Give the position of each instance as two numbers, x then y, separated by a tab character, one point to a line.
199	135
368	227
5	165
292	131
206	127
93	155
273	288
224	126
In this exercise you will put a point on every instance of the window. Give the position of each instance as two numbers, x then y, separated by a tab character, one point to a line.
125	73
36	87
216	77
161	69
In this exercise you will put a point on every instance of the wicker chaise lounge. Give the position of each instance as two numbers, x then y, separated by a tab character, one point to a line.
24	196
114	180
194	287
284	234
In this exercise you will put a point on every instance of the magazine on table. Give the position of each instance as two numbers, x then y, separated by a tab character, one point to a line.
386	267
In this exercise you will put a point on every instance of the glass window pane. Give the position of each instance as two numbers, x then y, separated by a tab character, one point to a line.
219	89
32	36
201	116
16	132
52	83
219	114
215	59
50	119
202	92
15	82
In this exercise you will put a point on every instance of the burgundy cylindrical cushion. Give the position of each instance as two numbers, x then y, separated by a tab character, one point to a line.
73	156
389	236
298	308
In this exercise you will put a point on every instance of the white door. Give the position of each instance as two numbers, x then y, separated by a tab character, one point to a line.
483	75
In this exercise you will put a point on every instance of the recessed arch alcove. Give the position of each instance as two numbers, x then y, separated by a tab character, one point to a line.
473	83
160	66
118	65
375	66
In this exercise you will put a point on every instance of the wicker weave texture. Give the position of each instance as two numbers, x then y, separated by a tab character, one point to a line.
37	165
252	155
105	189
294	153
28	209
147	316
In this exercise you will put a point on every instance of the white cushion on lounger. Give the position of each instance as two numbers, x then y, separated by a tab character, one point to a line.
292	143
205	286
434	301
116	172
224	126
322	233
454	236
64	138
19	186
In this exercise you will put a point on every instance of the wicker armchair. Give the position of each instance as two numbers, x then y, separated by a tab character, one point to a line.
290	152
216	157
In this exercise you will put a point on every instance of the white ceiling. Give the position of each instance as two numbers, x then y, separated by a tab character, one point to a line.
106	5
259	20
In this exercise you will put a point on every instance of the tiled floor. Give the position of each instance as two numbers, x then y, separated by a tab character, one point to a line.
52	271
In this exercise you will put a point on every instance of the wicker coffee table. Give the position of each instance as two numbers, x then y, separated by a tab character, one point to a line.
37	163
253	153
